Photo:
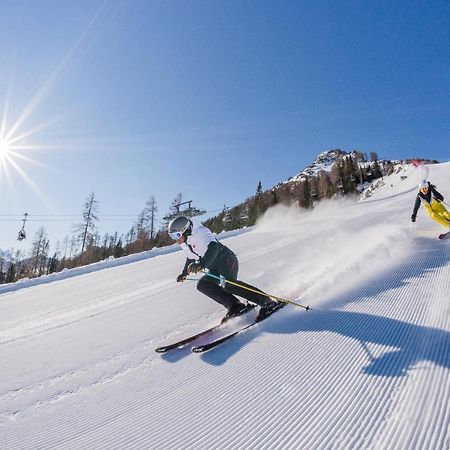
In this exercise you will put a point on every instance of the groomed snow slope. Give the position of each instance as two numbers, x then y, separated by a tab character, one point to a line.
369	367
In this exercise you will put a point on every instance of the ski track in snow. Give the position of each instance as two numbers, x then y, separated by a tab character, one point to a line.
367	368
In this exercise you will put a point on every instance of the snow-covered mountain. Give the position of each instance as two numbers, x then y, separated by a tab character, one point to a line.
368	367
323	163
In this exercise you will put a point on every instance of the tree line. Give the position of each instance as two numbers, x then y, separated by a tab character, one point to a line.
86	245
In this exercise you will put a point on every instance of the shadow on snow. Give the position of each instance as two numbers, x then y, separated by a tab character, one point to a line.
413	343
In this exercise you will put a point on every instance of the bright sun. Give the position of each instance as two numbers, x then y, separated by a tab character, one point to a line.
4	148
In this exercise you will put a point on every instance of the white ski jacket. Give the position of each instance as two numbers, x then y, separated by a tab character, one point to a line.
197	243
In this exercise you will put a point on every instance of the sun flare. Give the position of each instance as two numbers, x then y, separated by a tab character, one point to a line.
4	148
14	159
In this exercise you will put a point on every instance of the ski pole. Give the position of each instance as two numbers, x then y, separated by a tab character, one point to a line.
189	279
223	280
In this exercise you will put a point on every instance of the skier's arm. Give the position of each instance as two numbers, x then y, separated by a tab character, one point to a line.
185	272
205	261
437	195
416	208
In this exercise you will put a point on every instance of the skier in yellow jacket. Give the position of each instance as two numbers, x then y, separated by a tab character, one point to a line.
432	200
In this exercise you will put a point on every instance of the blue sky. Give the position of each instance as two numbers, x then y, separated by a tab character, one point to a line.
130	99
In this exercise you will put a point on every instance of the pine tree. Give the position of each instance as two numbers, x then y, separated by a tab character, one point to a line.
39	252
350	174
151	210
325	187
173	210
11	272
304	194
53	264
86	229
253	207
20	266
130	236
141	232
145	227
118	249
376	170
259	189
2	272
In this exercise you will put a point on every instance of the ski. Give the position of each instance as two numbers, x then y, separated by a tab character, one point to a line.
183	342
444	235
210	345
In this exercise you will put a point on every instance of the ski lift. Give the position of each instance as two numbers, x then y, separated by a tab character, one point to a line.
226	215
244	214
22	235
190	211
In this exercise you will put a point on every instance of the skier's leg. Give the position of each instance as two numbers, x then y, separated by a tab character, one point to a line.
246	291
439	208
229	270
441	220
208	286
433	211
254	295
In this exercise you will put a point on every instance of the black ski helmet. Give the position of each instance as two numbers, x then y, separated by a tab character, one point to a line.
179	226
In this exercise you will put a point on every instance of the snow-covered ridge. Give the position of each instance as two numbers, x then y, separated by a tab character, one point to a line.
323	162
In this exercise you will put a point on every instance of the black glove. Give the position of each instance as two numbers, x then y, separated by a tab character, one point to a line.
413	218
181	277
194	267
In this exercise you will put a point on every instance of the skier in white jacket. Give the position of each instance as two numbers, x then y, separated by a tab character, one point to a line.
204	251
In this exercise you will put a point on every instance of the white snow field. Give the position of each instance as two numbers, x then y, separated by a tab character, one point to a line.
367	368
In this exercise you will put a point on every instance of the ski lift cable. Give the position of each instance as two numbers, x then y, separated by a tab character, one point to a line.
55	216
74	217
15	217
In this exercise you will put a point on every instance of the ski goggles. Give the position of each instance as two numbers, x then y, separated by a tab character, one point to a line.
424	190
175	235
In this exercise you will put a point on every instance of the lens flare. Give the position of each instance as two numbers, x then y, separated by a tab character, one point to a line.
4	148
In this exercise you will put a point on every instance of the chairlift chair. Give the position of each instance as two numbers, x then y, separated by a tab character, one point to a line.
22	235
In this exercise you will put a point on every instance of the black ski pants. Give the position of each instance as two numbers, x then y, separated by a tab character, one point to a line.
227	265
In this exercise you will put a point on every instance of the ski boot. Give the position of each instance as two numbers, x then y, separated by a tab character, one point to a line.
267	309
237	310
